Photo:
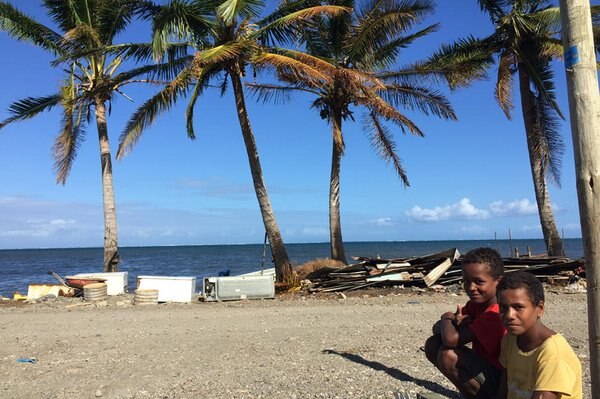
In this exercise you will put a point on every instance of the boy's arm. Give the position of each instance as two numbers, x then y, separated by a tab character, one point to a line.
502	386
454	329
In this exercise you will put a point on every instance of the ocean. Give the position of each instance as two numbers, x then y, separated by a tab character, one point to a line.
19	268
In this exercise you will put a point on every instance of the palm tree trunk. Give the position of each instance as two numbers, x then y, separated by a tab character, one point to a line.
552	239
335	224
280	256
111	254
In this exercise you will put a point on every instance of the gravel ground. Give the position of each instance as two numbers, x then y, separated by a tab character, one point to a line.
362	345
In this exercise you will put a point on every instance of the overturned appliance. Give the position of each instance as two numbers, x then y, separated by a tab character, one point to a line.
230	288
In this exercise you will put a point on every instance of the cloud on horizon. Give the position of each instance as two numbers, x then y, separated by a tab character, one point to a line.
461	210
514	208
465	210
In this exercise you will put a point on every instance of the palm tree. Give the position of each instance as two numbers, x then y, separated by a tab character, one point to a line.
524	43
225	36
354	51
85	51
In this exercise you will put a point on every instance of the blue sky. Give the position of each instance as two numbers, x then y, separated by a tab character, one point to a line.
469	179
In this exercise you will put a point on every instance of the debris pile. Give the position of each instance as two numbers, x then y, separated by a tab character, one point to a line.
442	268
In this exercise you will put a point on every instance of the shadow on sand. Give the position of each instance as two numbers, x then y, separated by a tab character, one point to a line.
398	374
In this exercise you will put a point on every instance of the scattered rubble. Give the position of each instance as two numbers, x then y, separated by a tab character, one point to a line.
437	270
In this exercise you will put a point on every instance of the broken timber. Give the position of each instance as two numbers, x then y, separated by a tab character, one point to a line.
442	268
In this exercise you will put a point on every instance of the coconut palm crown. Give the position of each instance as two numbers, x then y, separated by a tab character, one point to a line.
355	52
225	38
523	45
84	49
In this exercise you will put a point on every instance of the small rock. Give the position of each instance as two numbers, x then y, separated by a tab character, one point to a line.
98	393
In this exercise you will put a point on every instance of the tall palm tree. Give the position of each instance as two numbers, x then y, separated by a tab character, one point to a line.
523	43
85	51
226	37
355	52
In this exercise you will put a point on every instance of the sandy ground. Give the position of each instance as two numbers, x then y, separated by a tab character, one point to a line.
362	346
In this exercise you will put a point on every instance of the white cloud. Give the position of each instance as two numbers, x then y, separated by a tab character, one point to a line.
462	210
514	208
384	222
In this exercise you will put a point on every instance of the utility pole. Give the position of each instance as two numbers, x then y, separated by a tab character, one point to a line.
584	105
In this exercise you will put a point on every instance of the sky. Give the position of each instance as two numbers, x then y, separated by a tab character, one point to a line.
469	179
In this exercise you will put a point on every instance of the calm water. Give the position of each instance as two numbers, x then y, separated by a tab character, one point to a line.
18	268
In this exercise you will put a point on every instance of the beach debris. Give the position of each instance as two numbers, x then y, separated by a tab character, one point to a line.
37	291
435	271
146	297
17	296
94	292
31	360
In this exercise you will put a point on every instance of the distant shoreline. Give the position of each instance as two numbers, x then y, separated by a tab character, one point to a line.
287	243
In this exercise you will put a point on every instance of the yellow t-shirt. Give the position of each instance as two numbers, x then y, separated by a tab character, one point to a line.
551	367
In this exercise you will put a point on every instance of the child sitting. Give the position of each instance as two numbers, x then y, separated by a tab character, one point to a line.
475	372
538	362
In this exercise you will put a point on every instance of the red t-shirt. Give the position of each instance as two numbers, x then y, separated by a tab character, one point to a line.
488	330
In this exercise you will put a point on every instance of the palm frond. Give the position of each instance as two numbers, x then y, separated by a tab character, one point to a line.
382	141
551	49
80	38
66	14
547	20
151	109
295	69
230	10
493	7
504	83
548	143
113	16
382	108
223	53
23	28
283	30
382	23
387	53
29	107
540	74
461	62
164	71
68	141
189	112
182	21
276	94
419	98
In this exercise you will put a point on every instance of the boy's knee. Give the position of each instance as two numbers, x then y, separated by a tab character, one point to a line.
447	359
432	347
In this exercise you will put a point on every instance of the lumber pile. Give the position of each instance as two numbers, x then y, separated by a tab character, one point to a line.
442	268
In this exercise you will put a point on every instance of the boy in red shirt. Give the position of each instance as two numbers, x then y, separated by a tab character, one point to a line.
475	372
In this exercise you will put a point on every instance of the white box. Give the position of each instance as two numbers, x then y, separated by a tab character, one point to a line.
170	289
116	282
238	287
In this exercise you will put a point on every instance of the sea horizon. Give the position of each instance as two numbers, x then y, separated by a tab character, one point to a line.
287	243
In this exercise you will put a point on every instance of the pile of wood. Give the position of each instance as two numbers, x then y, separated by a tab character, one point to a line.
442	268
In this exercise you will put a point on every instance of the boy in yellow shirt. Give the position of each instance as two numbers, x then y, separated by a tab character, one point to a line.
538	362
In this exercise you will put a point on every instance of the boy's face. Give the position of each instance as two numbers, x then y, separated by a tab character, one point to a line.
479	284
517	312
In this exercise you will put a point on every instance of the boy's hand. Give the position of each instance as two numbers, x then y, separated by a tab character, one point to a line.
459	318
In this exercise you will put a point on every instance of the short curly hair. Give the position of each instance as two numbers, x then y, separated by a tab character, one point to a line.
525	280
487	256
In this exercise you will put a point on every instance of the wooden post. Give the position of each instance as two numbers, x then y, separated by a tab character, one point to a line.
584	106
